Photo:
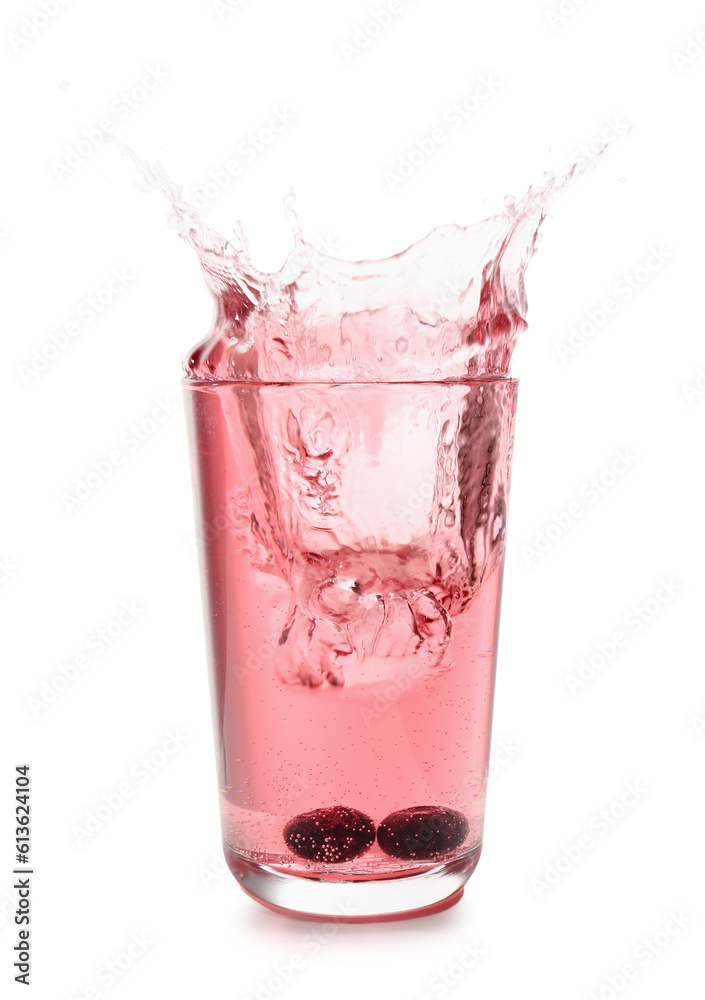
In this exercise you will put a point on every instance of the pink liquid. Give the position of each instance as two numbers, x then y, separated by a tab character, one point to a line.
351	434
352	548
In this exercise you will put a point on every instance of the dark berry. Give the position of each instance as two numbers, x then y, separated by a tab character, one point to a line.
330	835
422	832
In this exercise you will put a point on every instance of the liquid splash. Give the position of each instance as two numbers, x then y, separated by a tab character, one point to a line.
450	306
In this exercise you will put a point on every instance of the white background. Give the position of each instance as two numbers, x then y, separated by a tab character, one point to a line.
154	867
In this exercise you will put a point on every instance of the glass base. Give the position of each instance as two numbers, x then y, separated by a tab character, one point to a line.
359	901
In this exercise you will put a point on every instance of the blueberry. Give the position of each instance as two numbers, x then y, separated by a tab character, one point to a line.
330	835
422	832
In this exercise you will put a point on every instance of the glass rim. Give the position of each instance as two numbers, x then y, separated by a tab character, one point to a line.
189	381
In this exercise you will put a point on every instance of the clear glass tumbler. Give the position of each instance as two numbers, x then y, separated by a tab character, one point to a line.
352	542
